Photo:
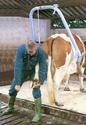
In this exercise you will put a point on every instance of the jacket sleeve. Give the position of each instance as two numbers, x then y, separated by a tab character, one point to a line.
42	67
18	66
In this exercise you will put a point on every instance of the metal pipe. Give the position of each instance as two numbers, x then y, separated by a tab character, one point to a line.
54	7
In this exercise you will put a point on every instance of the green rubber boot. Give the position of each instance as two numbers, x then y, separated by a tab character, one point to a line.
37	116
10	108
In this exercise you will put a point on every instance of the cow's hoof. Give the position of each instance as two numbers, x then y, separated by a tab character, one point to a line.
59	104
83	90
66	89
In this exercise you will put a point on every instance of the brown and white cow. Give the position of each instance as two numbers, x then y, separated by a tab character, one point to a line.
61	63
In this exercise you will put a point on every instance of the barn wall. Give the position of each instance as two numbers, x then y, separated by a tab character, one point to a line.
81	32
16	30
44	29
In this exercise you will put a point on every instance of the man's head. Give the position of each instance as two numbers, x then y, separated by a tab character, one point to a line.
31	48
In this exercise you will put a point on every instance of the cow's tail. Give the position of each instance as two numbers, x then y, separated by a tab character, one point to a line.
50	86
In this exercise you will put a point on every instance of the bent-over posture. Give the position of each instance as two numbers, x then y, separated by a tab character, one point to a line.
27	56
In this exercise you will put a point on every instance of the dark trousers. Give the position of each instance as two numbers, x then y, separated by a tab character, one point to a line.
36	91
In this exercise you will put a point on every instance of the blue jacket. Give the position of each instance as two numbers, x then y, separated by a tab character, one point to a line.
24	63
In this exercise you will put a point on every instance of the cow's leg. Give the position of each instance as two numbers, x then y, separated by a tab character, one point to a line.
58	77
58	101
71	68
66	88
36	72
81	82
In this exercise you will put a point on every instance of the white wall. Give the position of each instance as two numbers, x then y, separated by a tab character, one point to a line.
80	31
16	30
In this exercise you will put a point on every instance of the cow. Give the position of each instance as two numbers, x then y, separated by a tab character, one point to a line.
61	63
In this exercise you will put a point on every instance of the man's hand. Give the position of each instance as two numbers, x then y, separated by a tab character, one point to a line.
35	83
17	88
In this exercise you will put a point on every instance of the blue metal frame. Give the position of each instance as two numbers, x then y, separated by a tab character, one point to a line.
54	7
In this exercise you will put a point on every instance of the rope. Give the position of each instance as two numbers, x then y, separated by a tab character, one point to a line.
38	26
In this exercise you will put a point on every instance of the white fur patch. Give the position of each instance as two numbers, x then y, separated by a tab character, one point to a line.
64	36
72	67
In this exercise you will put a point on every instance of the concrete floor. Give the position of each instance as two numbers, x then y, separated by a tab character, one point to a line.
73	100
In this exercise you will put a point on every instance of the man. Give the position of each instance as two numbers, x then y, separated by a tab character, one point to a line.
27	56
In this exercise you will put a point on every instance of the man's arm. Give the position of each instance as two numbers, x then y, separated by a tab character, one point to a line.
42	67
18	66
